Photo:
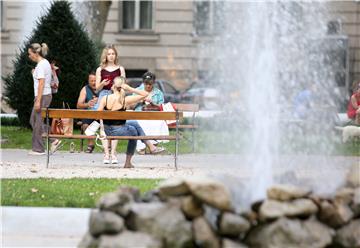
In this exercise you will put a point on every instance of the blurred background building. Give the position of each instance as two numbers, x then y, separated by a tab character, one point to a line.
164	37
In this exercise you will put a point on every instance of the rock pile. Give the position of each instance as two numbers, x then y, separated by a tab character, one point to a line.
199	213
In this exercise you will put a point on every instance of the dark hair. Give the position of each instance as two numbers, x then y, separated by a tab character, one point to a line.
92	73
148	76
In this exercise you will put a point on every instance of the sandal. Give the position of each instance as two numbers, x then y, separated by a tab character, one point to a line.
55	146
90	149
158	150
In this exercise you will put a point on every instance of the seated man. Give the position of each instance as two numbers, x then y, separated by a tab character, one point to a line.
87	100
152	102
353	110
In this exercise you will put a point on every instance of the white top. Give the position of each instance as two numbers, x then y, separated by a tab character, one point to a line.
42	70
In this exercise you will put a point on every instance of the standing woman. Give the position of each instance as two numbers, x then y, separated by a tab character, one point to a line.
108	70
42	91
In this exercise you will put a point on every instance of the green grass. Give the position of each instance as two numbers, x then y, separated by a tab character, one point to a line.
79	193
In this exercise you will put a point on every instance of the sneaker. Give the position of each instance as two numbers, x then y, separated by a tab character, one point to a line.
55	146
114	159
36	153
106	160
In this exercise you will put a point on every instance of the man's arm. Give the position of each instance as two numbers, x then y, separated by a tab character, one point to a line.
81	100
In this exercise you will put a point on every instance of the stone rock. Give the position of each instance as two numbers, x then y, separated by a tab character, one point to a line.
232	225
151	196
191	207
173	187
334	214
228	243
283	192
211	192
116	202
88	241
355	205
134	192
128	239
163	221
271	209
353	176
203	234
349	235
294	233
102	222
344	195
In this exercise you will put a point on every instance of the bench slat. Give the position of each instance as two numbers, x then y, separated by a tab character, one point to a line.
79	136
184	127
111	115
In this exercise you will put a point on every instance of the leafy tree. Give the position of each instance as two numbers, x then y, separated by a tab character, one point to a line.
73	51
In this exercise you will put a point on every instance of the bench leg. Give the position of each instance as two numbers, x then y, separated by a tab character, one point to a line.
47	139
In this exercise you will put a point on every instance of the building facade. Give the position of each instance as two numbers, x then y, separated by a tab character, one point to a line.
163	36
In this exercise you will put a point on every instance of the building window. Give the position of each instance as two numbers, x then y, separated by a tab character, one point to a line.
137	15
206	17
2	16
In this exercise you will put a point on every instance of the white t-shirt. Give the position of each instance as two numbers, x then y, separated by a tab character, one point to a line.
42	70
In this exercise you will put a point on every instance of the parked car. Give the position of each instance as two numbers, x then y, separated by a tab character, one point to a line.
206	97
171	94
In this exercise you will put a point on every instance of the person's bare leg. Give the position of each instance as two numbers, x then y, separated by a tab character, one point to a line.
113	152
357	119
113	147
128	163
105	144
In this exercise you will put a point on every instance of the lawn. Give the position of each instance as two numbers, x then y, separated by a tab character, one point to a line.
76	192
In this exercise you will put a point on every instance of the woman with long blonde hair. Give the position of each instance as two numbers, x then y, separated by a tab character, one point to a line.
118	101
108	70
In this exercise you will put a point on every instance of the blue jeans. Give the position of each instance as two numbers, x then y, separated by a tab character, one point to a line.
102	93
125	130
137	126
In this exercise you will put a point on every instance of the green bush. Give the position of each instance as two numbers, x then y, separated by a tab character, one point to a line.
69	45
10	121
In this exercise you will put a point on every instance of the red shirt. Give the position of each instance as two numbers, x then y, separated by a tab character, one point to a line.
110	75
351	112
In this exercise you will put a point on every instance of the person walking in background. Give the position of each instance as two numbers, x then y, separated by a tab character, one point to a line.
118	101
108	70
54	77
42	91
353	110
87	100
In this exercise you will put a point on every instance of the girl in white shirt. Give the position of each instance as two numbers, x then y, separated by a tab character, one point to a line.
42	92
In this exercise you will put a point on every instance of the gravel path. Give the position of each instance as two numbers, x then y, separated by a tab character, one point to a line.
16	163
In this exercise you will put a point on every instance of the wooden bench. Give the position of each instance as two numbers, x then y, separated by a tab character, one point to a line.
112	115
193	109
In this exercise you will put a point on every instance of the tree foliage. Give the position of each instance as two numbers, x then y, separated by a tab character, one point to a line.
69	45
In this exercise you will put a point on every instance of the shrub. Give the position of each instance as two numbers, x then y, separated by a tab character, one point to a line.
69	45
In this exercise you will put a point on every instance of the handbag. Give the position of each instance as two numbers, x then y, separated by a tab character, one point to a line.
57	127
168	107
68	123
150	107
62	126
92	129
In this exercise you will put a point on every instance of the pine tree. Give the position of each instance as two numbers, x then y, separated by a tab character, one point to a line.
73	51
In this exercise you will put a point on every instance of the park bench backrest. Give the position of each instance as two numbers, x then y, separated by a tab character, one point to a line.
185	107
110	115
